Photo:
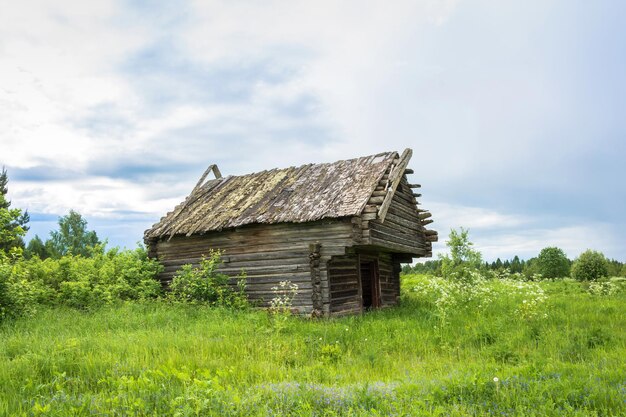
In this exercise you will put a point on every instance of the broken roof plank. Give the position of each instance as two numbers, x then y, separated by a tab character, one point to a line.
395	177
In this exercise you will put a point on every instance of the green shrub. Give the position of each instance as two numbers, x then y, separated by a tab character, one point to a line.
18	296
76	281
552	263
7	298
205	285
590	266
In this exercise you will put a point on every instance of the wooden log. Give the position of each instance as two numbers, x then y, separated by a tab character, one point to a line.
370	208
424	215
430	232
402	223
432	238
377	200
416	195
368	216
408	171
415	185
427	221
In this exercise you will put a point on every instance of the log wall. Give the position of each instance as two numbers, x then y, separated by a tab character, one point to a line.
389	269
345	285
345	281
268	254
401	230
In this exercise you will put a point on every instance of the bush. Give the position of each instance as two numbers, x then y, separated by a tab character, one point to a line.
75	281
552	263
462	256
590	266
205	285
17	295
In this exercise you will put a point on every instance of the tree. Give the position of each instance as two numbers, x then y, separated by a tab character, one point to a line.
13	222
462	255
499	264
615	268
36	247
552	263
72	237
516	265
589	266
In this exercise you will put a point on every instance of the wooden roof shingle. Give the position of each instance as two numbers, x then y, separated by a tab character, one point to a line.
296	194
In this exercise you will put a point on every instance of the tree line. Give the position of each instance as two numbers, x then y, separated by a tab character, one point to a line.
551	262
71	238
72	268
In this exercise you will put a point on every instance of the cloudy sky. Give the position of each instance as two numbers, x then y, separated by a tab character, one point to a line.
516	111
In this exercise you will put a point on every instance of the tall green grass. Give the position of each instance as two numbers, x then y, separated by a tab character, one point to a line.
485	358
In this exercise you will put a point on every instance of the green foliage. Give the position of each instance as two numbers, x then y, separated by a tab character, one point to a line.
553	263
205	285
431	267
18	296
516	265
590	265
11	231
462	257
72	237
616	269
75	281
280	309
36	247
479	293
180	359
13	222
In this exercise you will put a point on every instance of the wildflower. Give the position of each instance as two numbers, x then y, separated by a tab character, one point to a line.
495	379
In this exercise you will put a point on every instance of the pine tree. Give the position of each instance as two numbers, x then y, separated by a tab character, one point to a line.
13	222
36	247
516	265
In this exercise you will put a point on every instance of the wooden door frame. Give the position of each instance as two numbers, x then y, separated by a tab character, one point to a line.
374	277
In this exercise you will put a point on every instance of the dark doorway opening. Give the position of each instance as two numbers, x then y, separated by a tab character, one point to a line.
370	284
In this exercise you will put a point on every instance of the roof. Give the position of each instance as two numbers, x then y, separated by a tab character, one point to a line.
296	194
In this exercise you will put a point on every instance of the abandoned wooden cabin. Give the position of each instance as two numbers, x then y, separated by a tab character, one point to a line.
338	230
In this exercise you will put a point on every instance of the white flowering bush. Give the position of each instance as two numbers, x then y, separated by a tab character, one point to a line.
280	308
474	290
284	293
604	288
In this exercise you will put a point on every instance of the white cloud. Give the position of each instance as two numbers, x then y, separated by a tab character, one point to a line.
503	235
573	240
452	216
95	197
484	94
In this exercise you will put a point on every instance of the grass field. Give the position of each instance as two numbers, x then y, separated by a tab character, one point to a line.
555	348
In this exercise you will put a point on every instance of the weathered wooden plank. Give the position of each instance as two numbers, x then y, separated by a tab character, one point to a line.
395	235
398	247
395	177
424	215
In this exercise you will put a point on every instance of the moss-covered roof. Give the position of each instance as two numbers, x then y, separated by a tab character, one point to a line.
296	194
